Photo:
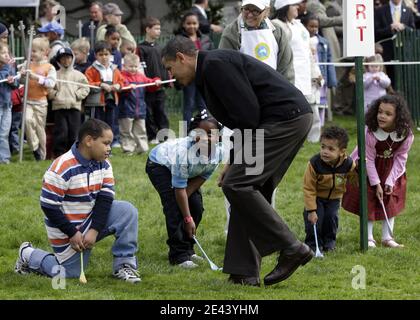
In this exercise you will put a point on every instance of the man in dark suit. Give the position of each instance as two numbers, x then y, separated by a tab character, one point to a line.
95	13
244	93
390	19
199	8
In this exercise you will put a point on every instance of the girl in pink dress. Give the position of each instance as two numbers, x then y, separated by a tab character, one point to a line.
388	141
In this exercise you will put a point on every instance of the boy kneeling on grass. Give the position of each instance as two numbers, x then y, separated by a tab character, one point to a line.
78	202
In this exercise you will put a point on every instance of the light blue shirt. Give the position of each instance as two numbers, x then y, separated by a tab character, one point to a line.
180	156
393	7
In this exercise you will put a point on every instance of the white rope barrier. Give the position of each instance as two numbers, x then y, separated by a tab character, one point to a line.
147	84
351	64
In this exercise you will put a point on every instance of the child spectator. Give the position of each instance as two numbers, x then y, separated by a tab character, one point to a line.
112	37
78	216
54	32
322	54
66	102
132	107
127	47
189	28
7	74
102	73
388	140
17	108
42	77
177	169
4	34
375	80
150	55
81	48
323	186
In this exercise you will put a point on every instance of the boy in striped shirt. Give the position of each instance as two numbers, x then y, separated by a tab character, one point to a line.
78	202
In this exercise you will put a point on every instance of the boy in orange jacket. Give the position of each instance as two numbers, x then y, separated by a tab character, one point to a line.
102	73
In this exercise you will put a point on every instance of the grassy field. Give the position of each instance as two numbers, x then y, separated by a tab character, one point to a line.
390	274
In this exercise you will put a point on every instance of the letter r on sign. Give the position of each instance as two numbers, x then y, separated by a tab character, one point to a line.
360	9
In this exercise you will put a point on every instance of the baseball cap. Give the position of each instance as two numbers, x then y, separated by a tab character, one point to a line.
260	4
282	3
63	52
53	27
112	8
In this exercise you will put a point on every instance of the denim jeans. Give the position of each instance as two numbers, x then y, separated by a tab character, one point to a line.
180	245
14	131
5	122
122	222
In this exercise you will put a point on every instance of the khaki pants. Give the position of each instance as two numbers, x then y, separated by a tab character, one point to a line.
133	135
35	122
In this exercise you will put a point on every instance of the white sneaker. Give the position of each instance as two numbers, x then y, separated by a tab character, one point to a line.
22	265
371	243
197	258
127	273
154	141
187	265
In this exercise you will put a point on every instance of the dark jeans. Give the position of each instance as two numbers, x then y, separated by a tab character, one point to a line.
14	131
180	246
66	128
156	118
326	227
192	101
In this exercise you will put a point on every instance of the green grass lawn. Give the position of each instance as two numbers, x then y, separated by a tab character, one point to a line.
390	273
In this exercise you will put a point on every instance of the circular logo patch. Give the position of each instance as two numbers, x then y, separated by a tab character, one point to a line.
262	51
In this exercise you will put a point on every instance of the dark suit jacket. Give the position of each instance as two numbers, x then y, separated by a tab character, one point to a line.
204	22
242	92
383	21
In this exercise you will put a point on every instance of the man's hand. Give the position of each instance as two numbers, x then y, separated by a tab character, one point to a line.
190	228
90	238
76	242
313	217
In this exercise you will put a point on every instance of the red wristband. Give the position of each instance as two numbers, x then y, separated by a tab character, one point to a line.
188	219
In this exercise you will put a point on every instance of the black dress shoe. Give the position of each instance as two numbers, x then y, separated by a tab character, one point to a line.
244	280
288	263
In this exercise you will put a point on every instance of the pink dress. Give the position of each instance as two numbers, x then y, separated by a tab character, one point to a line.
386	157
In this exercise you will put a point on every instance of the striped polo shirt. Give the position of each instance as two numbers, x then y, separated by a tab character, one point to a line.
71	185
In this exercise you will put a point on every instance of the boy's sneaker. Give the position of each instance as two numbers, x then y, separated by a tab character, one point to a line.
154	141
127	273
197	258
187	265
22	265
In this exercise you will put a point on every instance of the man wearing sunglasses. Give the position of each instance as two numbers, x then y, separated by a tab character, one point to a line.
254	34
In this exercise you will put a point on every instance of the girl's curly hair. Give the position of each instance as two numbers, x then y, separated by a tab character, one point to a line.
403	122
